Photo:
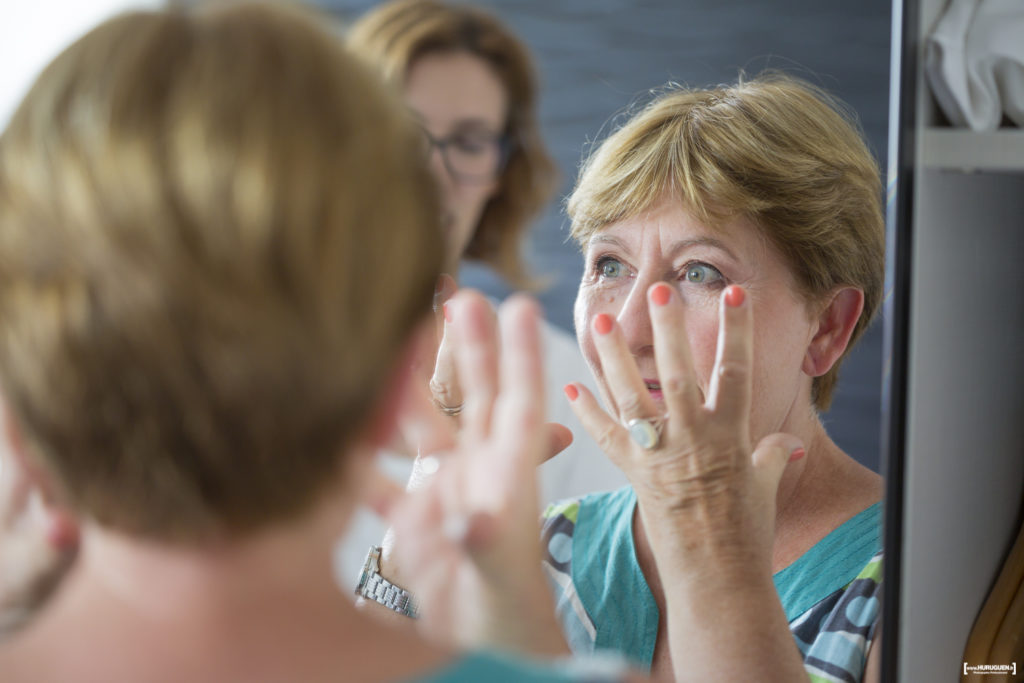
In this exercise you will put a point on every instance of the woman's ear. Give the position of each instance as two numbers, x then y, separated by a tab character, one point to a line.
23	479
836	321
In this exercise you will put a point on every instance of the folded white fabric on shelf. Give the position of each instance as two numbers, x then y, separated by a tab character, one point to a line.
974	61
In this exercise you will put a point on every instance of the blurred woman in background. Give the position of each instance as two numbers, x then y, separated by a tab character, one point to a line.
470	83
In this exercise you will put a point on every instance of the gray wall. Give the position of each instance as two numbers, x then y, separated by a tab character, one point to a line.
598	56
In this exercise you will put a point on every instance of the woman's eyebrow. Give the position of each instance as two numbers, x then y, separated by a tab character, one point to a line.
674	247
607	239
712	242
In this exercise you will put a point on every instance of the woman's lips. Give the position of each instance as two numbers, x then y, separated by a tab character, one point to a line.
654	388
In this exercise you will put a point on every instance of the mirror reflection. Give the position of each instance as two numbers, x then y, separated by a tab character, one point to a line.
716	259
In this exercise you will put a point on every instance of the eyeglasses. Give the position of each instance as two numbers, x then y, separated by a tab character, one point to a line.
471	156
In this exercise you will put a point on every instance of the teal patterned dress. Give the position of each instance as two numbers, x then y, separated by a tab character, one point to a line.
830	594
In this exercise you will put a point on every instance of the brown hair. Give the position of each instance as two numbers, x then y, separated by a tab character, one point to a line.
774	149
199	298
394	35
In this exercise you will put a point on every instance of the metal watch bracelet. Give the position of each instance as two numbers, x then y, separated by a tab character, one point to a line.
372	586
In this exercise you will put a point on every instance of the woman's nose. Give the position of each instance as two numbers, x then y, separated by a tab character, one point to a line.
635	319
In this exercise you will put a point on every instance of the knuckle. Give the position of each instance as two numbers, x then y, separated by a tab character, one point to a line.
733	372
630	405
605	437
676	386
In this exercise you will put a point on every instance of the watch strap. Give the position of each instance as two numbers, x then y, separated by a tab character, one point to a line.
373	586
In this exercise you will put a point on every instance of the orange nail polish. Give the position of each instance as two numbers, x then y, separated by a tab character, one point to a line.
734	296
571	391
447	314
603	323
660	294
797	454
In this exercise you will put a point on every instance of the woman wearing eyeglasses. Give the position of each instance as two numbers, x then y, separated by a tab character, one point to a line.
470	84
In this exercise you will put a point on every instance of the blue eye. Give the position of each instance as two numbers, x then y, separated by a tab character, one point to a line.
701	274
609	267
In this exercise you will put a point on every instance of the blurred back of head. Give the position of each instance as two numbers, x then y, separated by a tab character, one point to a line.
216	235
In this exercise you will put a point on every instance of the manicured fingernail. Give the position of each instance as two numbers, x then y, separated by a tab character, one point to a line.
603	323
734	296
571	391
447	314
660	294
797	454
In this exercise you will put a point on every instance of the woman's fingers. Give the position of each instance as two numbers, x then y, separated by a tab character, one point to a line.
522	364
730	387
610	436
679	385
519	414
444	380
473	324
625	384
422	426
559	437
443	291
770	458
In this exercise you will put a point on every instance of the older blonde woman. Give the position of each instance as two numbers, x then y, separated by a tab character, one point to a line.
766	192
734	250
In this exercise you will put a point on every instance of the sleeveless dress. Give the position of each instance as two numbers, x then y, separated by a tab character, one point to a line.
491	667
830	594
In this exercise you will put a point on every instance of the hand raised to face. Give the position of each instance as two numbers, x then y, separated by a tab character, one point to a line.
467	536
701	457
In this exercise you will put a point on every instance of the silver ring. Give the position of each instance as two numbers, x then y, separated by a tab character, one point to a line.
450	411
646	433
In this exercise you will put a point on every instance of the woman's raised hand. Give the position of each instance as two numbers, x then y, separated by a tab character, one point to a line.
468	537
698	468
446	388
706	500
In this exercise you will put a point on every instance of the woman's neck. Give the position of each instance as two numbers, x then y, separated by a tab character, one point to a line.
264	607
155	580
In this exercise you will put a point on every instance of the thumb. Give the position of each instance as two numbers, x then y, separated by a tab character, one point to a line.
559	437
770	458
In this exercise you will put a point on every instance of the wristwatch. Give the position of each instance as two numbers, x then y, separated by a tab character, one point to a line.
373	586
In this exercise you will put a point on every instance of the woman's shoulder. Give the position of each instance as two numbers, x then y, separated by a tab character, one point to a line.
499	668
596	507
835	635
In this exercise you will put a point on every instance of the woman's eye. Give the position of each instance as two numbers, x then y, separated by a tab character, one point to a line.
701	274
468	145
609	267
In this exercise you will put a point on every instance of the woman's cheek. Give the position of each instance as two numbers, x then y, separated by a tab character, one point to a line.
702	334
592	299
583	313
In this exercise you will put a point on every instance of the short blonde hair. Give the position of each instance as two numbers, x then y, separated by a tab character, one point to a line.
200	297
774	149
394	35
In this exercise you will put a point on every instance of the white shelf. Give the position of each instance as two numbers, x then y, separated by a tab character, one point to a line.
966	150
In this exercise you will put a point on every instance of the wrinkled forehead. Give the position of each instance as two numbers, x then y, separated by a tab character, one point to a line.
668	218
